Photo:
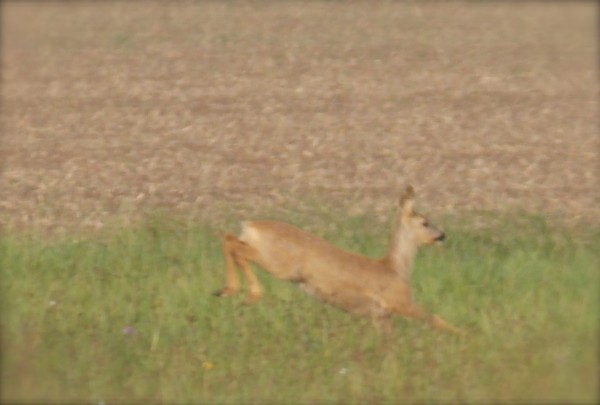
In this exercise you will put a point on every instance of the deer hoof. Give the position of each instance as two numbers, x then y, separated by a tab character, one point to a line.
224	292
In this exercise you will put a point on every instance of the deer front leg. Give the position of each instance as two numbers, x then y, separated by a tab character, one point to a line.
383	323
380	314
435	321
438	323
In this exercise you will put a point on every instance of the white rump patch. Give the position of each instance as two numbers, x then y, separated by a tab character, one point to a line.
248	234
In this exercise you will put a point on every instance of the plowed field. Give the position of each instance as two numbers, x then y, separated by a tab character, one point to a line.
113	108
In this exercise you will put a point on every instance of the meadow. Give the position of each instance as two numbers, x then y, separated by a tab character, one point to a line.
128	315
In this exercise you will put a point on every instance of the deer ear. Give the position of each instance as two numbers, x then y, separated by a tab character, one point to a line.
407	201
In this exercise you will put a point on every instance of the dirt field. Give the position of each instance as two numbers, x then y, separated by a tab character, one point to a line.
112	108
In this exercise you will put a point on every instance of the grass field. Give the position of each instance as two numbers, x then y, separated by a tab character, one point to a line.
129	315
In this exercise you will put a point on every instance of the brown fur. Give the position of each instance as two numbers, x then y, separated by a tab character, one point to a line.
361	285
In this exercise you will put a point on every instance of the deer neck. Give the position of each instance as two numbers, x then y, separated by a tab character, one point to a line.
402	252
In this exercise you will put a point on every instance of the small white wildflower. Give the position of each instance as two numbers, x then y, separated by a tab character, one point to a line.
343	370
51	303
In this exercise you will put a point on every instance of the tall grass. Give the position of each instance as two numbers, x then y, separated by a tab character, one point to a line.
129	316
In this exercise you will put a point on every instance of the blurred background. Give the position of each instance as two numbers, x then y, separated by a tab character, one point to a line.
110	109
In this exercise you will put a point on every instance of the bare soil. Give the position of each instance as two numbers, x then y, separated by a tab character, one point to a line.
110	109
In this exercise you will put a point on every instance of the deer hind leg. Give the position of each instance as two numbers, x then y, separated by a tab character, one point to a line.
238	253
231	279
415	311
243	254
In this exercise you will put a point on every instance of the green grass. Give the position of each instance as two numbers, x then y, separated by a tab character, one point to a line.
525	291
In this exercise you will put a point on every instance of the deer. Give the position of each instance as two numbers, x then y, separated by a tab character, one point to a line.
377	288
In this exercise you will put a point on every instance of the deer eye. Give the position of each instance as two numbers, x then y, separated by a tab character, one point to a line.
425	223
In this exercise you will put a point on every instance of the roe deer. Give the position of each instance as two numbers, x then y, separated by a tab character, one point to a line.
361	285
